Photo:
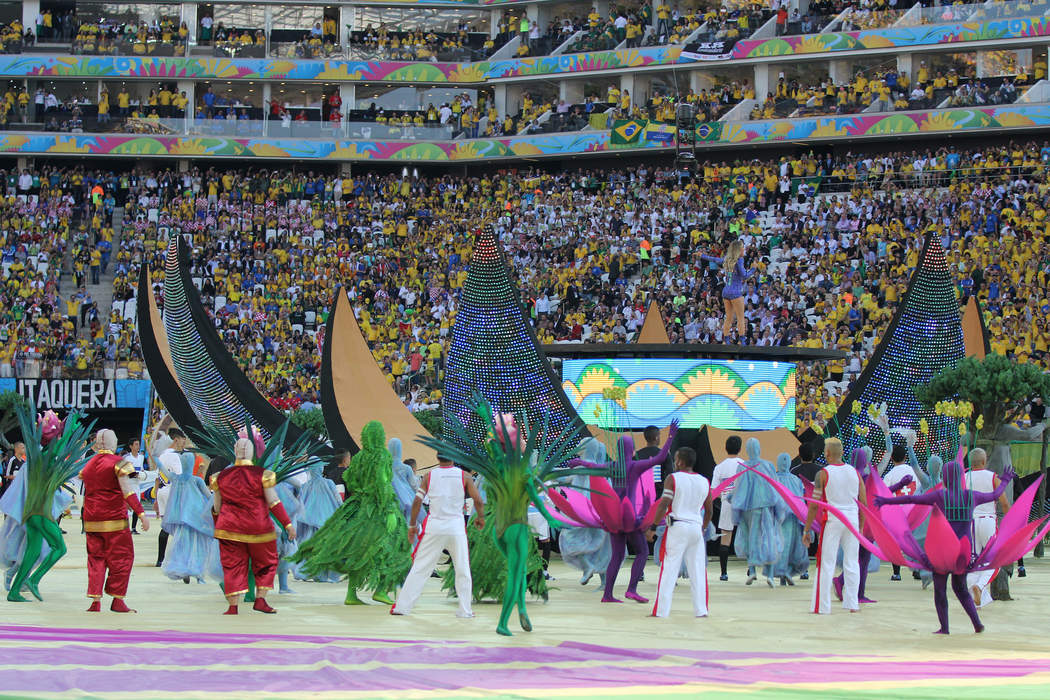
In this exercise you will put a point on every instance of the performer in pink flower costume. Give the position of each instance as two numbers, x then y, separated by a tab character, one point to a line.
620	508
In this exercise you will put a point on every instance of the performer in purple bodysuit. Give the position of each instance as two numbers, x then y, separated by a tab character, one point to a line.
956	503
622	506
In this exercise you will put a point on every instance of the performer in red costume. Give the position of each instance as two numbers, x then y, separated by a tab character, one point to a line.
245	499
108	493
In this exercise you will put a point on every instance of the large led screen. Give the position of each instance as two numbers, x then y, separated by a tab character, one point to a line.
636	392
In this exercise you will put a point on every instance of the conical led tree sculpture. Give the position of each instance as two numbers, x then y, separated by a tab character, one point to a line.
494	351
924	337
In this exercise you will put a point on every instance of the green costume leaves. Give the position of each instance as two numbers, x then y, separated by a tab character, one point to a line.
366	538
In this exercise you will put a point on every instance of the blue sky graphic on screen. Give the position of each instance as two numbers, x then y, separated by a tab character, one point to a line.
636	392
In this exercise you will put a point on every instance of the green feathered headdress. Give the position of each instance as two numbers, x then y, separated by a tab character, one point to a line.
284	460
512	462
50	466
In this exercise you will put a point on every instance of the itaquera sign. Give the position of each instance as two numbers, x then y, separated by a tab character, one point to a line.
84	394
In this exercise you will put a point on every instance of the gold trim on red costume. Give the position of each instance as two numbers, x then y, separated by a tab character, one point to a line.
123	468
269	479
105	525
241	537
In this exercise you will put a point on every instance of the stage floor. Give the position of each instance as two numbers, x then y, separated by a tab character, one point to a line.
756	641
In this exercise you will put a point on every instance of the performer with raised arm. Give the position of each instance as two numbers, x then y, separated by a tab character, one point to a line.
446	489
634	496
687	495
957	504
840	486
108	493
245	498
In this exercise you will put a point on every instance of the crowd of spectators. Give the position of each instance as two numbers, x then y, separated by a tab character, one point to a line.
55	236
385	44
165	37
832	238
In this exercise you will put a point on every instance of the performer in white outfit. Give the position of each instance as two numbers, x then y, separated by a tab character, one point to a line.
727	469
840	486
688	496
894	475
446	488
980	478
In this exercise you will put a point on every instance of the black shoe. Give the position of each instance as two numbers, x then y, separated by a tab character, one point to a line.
895	577
185	579
723	577
434	574
916	575
63	531
1021	572
134	532
158	564
804	577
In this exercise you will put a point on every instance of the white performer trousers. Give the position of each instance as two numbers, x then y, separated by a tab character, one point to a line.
984	528
425	559
836	535
683	541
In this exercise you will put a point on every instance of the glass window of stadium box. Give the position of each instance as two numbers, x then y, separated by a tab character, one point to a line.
305	31
715	91
62	105
129	29
57	22
418	34
235	31
968	79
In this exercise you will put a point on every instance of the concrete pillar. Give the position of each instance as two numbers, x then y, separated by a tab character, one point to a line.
838	71
347	16
538	14
30	11
189	16
267	25
494	18
762	86
507	99
602	6
348	94
699	80
905	67
184	165
571	91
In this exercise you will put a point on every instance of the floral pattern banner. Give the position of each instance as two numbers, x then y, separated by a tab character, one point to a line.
893	37
173	68
548	145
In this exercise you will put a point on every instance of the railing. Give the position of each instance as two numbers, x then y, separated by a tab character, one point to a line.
129	47
24	367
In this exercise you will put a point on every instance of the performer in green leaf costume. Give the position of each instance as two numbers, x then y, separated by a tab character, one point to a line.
488	570
366	538
46	470
514	464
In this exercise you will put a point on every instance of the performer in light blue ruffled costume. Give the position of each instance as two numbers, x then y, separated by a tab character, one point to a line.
405	481
794	557
287	491
755	507
318	498
588	549
13	531
194	549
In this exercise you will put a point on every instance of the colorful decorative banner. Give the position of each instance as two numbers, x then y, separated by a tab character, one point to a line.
888	124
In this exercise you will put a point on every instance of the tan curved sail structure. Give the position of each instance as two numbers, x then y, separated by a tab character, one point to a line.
653	329
975	336
354	390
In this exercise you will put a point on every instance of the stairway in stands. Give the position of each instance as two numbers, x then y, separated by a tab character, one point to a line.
102	293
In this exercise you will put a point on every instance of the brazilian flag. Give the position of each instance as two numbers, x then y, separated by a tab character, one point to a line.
627	131
709	131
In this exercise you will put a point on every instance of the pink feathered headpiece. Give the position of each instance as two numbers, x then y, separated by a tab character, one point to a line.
505	424
257	439
50	425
